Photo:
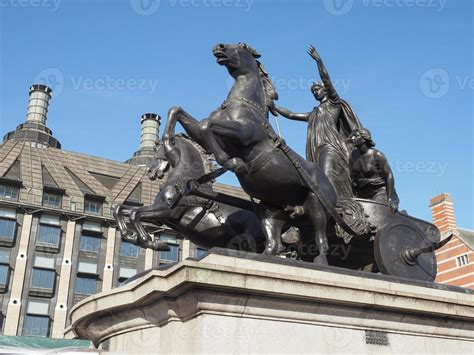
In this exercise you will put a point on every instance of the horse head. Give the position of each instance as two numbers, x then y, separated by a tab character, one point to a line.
241	60
159	164
180	156
237	58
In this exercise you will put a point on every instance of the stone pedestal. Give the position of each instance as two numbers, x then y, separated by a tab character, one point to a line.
231	302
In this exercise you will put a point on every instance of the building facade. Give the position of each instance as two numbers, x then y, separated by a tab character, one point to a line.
58	239
456	259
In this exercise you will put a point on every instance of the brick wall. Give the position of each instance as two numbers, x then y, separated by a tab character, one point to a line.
455	259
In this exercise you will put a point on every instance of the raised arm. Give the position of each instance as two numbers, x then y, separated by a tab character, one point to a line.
292	115
323	73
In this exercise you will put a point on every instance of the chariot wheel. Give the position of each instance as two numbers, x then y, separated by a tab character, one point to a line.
395	249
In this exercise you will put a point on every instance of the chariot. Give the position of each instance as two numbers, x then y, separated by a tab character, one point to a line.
396	244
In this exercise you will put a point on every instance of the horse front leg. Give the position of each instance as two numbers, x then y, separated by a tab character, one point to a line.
231	129
151	212
188	122
206	131
119	212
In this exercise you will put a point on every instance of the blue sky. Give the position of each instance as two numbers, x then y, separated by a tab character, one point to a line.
404	65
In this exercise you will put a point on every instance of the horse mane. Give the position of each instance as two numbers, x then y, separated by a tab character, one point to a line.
268	87
208	159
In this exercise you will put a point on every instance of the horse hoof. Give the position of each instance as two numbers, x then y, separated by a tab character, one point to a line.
281	250
158	245
274	250
129	235
321	260
269	251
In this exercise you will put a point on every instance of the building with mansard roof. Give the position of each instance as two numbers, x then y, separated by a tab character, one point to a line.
58	240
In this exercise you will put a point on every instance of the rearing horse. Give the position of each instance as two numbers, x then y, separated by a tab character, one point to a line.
241	139
206	223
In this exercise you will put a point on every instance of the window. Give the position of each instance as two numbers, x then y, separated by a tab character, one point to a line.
85	285
35	325
9	192
126	272
168	238
92	226
89	243
4	277
48	234
38	306
44	262
5	257
200	252
87	268
92	206
128	249
4	269
170	256
7	228
42	278
52	200
462	260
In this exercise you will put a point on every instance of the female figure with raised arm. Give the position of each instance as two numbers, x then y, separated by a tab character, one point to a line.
329	126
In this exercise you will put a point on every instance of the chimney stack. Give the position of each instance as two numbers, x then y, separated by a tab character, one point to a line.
442	211
34	130
150	129
38	103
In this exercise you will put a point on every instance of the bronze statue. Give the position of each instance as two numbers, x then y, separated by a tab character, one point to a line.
240	137
329	125
339	195
370	172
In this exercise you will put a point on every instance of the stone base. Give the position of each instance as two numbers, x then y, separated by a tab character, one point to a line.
231	302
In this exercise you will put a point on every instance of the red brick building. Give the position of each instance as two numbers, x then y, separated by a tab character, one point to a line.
455	259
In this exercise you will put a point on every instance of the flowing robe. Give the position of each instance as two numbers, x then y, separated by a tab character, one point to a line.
329	126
